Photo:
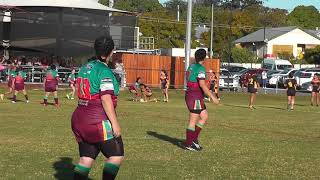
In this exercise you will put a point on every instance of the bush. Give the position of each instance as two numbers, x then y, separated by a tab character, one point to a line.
312	56
243	55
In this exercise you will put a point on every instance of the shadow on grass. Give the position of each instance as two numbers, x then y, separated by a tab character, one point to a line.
172	140
64	169
260	106
238	106
272	107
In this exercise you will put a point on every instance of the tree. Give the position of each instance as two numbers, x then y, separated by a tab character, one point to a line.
135	5
304	17
243	55
312	56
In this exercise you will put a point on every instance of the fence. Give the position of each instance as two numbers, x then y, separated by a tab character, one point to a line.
148	67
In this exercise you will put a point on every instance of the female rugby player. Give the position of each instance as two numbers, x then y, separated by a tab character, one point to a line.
164	85
196	89
94	122
72	82
50	85
315	90
291	85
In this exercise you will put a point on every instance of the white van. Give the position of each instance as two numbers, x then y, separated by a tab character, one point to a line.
276	64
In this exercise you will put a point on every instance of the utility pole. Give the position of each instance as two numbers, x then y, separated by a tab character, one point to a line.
111	4
6	33
188	40
178	13
211	34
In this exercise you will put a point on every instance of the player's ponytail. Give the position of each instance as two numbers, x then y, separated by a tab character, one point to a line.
103	46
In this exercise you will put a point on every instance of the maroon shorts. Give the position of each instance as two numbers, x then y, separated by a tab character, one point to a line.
19	86
90	123
195	102
10	83
50	87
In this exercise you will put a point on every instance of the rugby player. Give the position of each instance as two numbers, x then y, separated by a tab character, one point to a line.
51	85
72	81
253	86
146	93
94	122
196	89
11	73
18	84
291	85
164	85
135	88
315	90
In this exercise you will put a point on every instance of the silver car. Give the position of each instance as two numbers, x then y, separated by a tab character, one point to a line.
227	81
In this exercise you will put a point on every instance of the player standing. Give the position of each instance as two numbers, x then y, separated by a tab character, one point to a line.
72	82
11	73
18	84
291	85
315	90
164	85
51	85
253	86
196	89
94	122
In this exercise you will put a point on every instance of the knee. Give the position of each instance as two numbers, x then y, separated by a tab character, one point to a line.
116	160
86	161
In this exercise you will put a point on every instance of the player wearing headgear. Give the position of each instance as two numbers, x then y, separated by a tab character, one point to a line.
18	84
196	89
291	85
253	86
51	85
72	82
11	73
315	90
164	85
94	122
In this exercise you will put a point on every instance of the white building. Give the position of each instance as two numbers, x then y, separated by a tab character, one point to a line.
285	40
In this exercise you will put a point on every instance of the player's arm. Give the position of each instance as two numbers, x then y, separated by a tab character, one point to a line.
206	90
108	107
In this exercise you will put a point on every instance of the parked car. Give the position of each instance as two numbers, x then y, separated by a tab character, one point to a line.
245	76
276	64
306	87
280	77
226	81
305	76
235	69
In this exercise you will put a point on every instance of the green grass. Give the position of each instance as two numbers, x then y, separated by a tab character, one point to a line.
268	143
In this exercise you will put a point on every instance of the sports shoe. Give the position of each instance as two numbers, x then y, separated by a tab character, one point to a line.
68	96
27	101
72	98
1	96
13	101
196	143
191	147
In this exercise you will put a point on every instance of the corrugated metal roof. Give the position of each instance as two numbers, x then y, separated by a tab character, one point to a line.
81	4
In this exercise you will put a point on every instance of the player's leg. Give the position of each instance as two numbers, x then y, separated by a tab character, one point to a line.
113	150
73	88
251	100
199	126
293	98
24	91
312	97
14	98
289	102
317	98
88	154
190	132
56	100
167	94
45	98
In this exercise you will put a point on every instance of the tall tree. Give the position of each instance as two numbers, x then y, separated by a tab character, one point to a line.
304	17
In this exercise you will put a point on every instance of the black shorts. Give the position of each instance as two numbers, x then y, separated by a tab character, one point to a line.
291	92
109	148
252	90
315	89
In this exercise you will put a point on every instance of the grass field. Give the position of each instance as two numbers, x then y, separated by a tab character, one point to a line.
268	143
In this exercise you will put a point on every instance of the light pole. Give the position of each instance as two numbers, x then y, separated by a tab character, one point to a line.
211	33
188	41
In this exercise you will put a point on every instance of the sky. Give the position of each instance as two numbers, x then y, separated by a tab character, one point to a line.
286	4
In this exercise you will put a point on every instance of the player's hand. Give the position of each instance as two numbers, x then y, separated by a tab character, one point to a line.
116	130
215	100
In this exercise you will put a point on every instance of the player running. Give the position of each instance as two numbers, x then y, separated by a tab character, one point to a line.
164	85
51	85
18	84
315	90
11	73
291	85
94	122
253	86
196	89
72	82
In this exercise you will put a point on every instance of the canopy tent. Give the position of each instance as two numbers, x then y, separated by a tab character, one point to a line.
65	28
80	4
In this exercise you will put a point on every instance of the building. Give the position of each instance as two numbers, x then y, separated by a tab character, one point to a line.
272	42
